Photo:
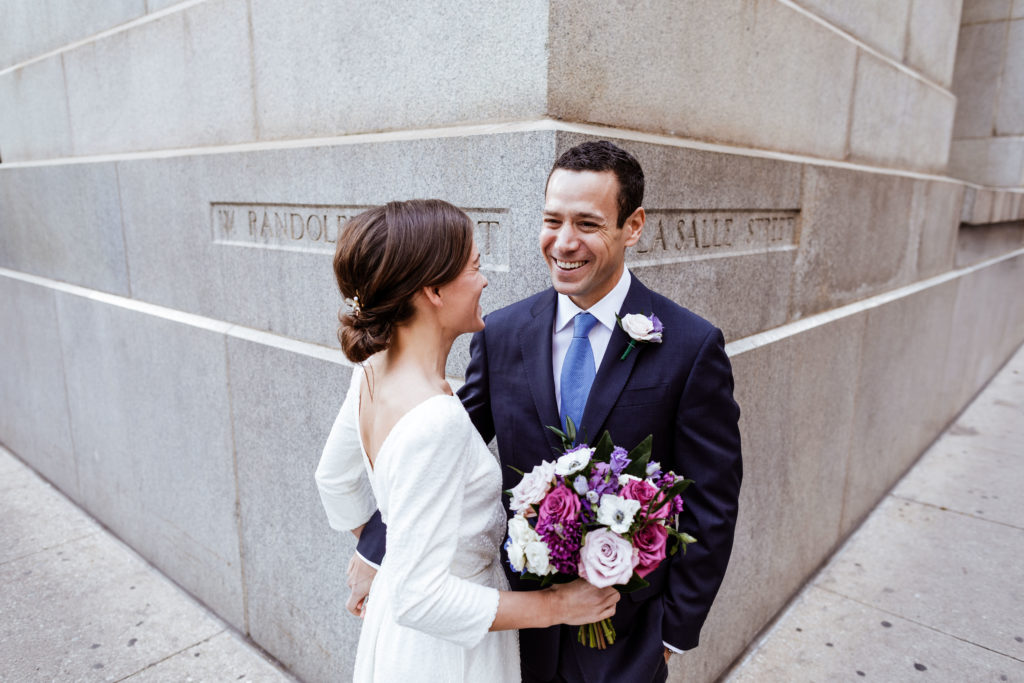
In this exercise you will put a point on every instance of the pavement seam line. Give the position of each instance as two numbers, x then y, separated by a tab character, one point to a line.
173	654
903	617
956	512
50	547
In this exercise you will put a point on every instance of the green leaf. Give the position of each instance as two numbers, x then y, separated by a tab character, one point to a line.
643	449
604	447
570	429
566	442
686	538
636	582
516	470
558	432
639	457
677	488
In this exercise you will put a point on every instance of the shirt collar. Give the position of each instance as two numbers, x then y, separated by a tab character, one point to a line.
604	310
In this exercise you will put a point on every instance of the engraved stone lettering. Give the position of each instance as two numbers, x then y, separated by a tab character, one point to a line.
659	237
312	221
688	233
315	228
711	233
227	220
340	220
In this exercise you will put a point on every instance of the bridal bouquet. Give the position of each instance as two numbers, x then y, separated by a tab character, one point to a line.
596	512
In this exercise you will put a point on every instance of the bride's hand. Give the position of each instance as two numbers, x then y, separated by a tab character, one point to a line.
581	603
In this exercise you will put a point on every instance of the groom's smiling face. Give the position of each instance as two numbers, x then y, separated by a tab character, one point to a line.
581	241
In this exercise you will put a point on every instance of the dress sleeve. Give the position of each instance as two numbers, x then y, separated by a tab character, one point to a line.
341	476
426	479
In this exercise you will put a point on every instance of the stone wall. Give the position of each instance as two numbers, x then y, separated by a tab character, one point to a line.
988	136
173	177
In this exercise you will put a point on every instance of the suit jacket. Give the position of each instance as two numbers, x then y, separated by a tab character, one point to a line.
680	391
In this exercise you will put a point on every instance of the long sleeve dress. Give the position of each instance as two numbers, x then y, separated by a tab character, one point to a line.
438	489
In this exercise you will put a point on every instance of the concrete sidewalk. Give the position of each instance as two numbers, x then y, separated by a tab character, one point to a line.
931	586
76	604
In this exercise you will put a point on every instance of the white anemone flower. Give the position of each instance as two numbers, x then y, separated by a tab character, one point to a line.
573	462
617	513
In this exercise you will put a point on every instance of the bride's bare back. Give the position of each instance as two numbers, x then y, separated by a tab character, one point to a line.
390	388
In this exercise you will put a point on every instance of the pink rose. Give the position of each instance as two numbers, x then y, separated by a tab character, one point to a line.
607	559
650	543
560	505
644	491
531	489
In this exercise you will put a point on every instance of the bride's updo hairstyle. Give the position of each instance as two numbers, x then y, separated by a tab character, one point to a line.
385	256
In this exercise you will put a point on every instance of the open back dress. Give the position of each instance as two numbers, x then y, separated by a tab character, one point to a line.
438	489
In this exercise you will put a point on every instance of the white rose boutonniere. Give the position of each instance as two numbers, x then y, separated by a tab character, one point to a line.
641	329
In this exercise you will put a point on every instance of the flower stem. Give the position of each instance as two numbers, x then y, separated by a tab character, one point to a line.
598	636
632	345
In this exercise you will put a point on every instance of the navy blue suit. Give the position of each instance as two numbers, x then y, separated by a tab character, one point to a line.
681	392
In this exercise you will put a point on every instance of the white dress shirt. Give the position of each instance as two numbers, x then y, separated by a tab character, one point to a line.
561	336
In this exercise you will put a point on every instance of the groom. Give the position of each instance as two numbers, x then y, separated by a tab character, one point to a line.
559	353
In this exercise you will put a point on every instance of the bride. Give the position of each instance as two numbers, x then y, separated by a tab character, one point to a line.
439	608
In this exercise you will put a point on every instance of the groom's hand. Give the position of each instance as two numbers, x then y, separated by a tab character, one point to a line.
668	653
360	577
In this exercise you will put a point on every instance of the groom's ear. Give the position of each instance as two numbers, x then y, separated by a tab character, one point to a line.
634	226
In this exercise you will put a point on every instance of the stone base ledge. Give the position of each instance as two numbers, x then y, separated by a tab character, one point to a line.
984	205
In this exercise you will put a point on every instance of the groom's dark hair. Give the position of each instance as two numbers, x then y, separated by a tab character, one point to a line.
601	156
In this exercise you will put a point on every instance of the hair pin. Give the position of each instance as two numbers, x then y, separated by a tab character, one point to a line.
353	303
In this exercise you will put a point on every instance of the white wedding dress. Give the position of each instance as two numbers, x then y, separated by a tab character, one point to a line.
438	489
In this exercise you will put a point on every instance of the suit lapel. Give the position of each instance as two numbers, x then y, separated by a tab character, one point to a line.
537	361
613	373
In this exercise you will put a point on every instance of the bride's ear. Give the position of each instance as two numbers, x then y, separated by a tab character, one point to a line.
433	295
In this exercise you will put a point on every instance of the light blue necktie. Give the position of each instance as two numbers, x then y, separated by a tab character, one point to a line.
577	370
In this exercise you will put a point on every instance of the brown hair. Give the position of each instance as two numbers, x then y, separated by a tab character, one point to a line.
602	155
387	254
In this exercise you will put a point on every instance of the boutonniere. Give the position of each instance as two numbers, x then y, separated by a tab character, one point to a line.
641	329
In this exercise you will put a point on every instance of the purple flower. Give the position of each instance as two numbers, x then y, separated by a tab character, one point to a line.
581	485
677	505
658	328
620	460
653	469
563	540
602	481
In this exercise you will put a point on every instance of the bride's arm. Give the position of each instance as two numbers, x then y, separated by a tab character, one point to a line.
340	475
573	603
